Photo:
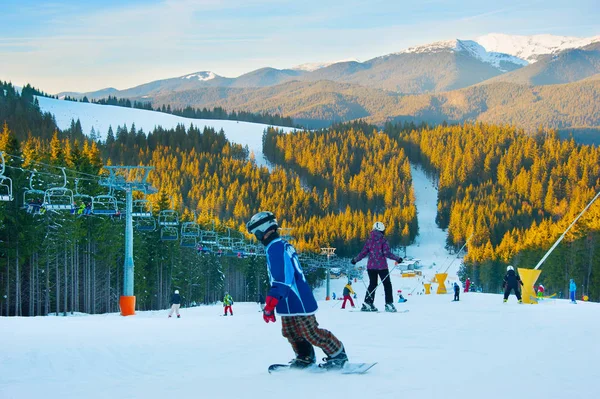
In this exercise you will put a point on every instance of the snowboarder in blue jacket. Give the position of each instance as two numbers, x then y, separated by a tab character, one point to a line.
572	290
293	299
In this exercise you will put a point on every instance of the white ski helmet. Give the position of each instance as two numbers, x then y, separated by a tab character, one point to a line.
177	291
260	223
379	226
509	267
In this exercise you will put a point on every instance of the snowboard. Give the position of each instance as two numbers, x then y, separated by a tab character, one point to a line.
349	368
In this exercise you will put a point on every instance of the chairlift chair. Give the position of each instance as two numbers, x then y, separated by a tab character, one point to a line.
104	205
5	183
58	199
169	233
6	193
145	224
208	237
168	217
141	208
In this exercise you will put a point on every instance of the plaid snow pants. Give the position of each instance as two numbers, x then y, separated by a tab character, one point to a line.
299	329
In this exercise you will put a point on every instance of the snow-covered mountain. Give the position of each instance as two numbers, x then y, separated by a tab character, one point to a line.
201	76
530	48
499	60
313	66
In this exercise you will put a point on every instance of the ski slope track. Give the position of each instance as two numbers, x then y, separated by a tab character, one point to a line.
101	117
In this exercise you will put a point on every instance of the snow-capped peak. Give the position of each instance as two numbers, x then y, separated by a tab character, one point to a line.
202	76
310	67
531	47
468	46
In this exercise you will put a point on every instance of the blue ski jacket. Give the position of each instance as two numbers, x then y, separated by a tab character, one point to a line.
572	286
288	283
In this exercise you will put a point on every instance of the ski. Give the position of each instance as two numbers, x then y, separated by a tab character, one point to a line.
379	311
349	368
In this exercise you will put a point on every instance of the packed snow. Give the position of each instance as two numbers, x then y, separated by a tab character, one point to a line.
100	117
478	347
529	48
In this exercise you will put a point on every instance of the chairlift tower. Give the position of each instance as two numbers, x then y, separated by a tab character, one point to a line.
329	252
128	179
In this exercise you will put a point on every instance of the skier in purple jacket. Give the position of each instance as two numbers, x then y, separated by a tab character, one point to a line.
378	250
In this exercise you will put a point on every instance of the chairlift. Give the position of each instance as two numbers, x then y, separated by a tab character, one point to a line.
141	208
78	199
145	224
6	193
105	204
59	198
168	217
208	237
203	249
169	233
190	233
33	198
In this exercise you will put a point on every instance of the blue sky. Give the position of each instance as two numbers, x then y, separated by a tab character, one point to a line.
88	45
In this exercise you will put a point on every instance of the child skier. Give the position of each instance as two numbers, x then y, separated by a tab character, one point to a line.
467	284
512	281
227	302
175	304
293	298
572	290
540	291
347	292
456	291
378	250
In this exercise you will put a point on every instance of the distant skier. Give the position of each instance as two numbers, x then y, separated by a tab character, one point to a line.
347	292
467	284
401	299
456	291
175	304
512	281
572	290
540	291
378	250
227	303
293	298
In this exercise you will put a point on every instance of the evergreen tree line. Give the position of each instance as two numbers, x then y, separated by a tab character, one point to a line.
356	169
194	113
515	193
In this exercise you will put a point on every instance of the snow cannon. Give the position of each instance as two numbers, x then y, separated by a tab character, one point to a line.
529	277
427	288
441	279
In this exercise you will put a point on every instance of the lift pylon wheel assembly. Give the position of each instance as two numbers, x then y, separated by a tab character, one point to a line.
441	280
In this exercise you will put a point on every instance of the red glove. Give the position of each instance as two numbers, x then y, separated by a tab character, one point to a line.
269	310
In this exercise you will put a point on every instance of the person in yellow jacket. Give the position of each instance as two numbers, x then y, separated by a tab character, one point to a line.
347	292
227	302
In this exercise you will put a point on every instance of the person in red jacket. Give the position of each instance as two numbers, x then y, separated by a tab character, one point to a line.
378	250
467	284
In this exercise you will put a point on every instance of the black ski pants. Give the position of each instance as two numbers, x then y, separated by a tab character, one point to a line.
456	294
387	285
509	288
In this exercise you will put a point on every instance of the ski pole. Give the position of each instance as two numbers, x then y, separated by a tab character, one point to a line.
381	282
